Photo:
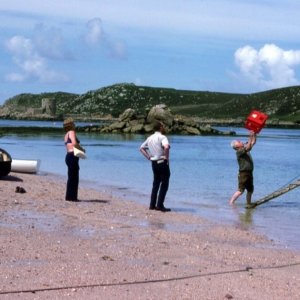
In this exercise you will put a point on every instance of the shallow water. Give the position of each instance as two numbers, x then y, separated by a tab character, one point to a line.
203	174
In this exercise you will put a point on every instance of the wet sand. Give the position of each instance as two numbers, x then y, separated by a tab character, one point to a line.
108	248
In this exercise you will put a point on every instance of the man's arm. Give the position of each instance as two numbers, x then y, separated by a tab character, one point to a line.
251	141
167	151
253	138
145	153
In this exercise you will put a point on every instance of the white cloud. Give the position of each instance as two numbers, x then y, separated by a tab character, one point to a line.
95	37
95	32
269	67
31	65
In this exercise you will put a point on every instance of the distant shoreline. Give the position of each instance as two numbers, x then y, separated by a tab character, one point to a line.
91	128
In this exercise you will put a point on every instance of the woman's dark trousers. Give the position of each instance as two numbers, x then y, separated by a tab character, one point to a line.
73	176
161	175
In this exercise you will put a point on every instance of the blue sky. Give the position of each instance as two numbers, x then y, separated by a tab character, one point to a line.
241	46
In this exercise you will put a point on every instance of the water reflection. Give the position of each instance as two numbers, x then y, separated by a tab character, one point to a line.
244	218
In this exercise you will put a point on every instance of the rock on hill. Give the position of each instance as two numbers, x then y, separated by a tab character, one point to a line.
280	104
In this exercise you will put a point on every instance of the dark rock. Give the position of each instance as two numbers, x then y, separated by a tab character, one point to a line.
117	125
127	115
130	122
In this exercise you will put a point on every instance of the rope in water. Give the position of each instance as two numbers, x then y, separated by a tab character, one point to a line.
289	182
284	189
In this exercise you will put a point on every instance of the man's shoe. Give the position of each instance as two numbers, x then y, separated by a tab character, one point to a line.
152	207
163	209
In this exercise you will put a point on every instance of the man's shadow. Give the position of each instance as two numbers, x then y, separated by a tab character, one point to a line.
95	201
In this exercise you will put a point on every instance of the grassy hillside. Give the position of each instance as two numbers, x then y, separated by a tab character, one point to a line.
34	101
282	104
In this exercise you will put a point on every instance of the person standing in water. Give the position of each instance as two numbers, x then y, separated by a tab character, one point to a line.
246	166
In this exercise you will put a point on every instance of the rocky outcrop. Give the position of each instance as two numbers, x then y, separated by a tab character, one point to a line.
131	122
161	113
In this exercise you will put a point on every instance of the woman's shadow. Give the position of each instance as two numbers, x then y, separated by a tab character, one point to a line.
11	178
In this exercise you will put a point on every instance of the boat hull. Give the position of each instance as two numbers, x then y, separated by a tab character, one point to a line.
31	166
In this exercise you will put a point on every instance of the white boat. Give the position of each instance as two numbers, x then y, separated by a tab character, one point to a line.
25	165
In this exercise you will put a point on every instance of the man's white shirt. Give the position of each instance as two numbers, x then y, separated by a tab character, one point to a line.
155	144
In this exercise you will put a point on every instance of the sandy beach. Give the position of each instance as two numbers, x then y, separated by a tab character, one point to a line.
108	248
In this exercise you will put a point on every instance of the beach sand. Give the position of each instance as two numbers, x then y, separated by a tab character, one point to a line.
108	248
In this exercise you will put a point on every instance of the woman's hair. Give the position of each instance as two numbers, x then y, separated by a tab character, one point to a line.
69	124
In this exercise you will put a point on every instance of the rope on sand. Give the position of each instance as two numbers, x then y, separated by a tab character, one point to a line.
124	283
275	194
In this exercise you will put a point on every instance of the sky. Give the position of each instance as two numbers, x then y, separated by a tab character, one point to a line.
236	46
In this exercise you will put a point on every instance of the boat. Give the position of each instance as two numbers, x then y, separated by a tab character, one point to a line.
5	163
31	166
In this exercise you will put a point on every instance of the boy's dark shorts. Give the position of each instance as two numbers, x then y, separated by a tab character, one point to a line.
246	181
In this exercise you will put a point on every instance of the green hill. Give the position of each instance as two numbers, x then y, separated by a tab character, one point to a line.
280	104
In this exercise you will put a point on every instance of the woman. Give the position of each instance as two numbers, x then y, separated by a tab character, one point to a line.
71	160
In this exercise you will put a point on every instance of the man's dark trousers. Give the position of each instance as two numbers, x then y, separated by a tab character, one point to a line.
161	175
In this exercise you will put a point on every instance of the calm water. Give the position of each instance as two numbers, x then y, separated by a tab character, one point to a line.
203	174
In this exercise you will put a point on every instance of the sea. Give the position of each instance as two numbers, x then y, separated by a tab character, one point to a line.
203	173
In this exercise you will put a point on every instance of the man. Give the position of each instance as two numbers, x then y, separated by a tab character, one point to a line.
245	162
157	148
